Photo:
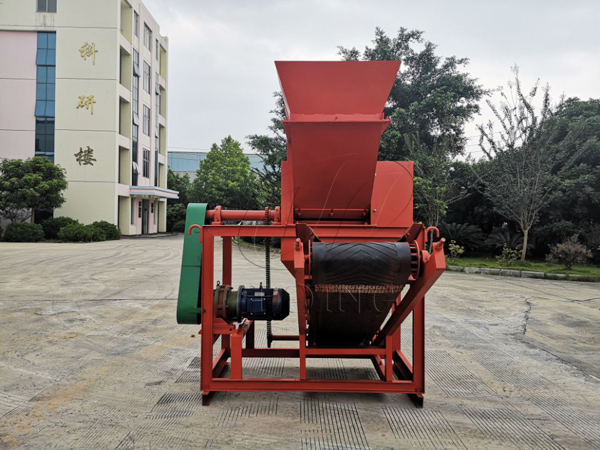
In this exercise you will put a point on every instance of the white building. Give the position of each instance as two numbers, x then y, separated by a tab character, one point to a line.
84	82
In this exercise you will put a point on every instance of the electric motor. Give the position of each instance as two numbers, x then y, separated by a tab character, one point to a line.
251	303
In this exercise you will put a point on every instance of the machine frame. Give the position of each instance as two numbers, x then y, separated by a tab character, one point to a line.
386	353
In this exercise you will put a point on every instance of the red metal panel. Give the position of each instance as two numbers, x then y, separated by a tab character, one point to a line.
336	87
333	164
334	125
392	200
298	385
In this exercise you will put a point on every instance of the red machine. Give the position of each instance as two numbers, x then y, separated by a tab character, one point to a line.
347	236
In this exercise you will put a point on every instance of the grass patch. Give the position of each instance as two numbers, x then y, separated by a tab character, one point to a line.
591	272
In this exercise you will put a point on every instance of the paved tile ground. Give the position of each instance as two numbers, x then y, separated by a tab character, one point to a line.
91	357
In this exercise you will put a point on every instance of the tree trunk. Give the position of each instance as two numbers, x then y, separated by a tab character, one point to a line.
524	251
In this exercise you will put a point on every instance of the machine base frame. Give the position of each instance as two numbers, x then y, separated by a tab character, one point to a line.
397	375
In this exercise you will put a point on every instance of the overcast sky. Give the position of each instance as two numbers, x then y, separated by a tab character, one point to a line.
222	76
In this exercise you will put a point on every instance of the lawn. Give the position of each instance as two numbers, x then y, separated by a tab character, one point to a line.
534	266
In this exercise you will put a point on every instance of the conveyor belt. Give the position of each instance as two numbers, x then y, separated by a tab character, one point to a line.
354	287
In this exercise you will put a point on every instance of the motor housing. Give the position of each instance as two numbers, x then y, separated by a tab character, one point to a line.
251	303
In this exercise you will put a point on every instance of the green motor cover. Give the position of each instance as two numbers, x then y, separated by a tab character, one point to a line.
188	301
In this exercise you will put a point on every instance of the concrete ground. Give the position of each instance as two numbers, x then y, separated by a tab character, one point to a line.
91	357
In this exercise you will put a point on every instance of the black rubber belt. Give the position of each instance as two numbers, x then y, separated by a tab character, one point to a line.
354	287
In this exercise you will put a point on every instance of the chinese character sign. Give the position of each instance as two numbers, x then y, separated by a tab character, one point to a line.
86	102
88	51
85	157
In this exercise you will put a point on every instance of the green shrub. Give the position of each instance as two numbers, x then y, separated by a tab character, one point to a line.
24	232
76	232
175	214
508	257
111	232
569	252
98	234
455	251
179	226
53	225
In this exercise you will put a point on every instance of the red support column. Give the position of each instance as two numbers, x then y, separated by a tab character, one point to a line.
225	341
389	361
227	260
236	356
207	308
419	345
250	336
227	269
397	339
302	357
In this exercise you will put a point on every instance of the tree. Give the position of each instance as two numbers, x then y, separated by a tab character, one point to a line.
176	208
431	180
469	203
575	207
272	150
179	183
529	157
225	178
433	97
35	184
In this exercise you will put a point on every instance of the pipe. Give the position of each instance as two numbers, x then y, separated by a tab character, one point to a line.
219	215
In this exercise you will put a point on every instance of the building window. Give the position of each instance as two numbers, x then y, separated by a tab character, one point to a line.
148	37
134	155
136	23
44	136
146	123
135	96
45	94
136	63
146	166
156	168
157	103
139	209
154	209
48	6
132	211
147	77
135	91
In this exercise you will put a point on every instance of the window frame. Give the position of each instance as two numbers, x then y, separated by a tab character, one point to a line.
136	23
146	120
146	164
147	37
136	63
147	77
47	4
135	96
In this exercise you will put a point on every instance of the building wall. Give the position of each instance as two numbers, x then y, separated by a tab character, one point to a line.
17	93
93	106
